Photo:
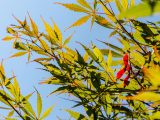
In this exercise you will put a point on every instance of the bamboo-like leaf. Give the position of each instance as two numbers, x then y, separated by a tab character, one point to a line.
109	60
155	115
18	54
16	88
144	96
34	26
125	4
44	45
68	39
58	32
74	7
108	12
80	21
132	12
8	38
10	114
36	49
132	3
39	104
119	5
84	4
90	53
47	112
153	74
50	32
76	115
114	54
98	54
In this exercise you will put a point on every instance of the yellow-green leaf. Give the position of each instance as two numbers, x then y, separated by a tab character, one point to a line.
39	104
132	3
119	5
108	12
109	60
47	112
80	21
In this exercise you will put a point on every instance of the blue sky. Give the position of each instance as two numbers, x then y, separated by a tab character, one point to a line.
27	74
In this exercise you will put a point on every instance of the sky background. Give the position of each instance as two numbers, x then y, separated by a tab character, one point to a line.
27	74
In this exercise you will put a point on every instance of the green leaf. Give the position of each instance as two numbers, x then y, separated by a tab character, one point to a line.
90	53
114	54
144	9
47	112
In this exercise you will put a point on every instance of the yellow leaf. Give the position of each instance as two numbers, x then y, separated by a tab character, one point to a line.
74	7
44	45
7	38
132	3
108	13
125	4
144	96
109	60
155	116
153	74
68	39
34	26
80	21
58	32
18	54
84	3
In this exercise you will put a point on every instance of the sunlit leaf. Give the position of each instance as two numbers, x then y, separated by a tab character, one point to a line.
144	96
18	54
74	7
39	104
84	4
80	21
47	112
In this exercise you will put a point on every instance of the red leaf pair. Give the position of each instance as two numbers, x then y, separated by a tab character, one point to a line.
127	67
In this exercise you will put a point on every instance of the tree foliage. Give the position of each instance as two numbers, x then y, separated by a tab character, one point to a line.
121	82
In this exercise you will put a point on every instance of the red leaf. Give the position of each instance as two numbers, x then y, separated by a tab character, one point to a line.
126	82
120	73
128	68
125	59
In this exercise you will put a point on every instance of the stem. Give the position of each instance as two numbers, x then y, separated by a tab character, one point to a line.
122	27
